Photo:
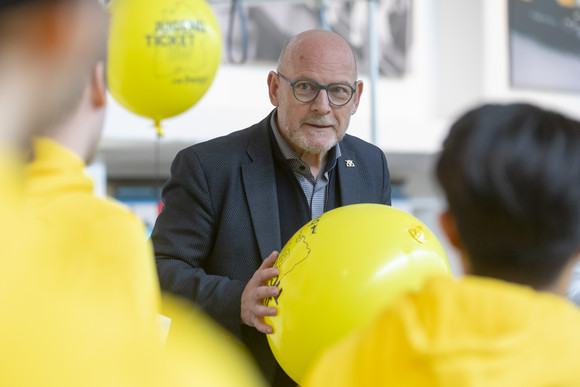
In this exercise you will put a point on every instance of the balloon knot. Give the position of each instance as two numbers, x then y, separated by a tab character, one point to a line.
159	128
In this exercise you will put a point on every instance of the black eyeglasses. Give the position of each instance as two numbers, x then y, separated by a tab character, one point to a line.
306	90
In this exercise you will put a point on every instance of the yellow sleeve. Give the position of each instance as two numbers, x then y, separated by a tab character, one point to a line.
125	268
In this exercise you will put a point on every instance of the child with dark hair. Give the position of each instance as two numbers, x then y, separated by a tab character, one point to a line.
511	175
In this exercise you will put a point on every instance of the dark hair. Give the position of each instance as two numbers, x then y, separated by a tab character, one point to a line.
10	3
511	174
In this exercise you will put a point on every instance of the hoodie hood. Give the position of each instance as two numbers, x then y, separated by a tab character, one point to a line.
471	332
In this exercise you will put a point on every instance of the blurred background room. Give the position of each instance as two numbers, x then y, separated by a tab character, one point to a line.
423	63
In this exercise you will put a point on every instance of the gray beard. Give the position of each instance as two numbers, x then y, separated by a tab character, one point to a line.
302	144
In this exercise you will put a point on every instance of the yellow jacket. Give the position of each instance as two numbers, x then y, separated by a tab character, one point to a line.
471	332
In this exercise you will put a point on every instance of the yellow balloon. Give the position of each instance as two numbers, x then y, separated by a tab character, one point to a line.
338	271
163	55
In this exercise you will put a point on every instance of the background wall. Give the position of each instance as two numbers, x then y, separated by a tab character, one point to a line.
459	57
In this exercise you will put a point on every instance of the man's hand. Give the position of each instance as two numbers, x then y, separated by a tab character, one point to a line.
253	308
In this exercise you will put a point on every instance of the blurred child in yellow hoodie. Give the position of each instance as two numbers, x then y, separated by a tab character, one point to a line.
78	291
102	254
511	175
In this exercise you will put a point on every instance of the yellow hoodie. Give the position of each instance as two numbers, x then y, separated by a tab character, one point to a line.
471	332
97	247
79	293
15	230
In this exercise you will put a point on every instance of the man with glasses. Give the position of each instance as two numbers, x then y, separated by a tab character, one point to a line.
235	200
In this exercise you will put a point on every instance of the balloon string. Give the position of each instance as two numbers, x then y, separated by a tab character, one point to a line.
158	179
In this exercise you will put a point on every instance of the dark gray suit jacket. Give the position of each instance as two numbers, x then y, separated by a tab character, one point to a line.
220	219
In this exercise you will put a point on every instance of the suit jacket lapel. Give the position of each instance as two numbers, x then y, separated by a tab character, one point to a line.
348	176
259	181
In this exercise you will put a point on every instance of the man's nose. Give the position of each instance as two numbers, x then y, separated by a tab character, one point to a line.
321	104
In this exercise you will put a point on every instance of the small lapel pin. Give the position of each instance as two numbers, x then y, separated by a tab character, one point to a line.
349	163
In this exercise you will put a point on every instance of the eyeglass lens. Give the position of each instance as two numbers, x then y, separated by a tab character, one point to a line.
307	91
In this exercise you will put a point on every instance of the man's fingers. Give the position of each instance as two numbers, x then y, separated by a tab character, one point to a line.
269	262
253	309
262	311
263	327
267	274
266	291
258	320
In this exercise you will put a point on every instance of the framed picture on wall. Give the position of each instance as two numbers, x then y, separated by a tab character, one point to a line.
257	33
544	37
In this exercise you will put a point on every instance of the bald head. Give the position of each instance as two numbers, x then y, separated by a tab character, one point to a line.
314	48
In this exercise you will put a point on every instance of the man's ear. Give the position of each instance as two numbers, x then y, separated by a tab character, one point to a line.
273	85
98	87
356	97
